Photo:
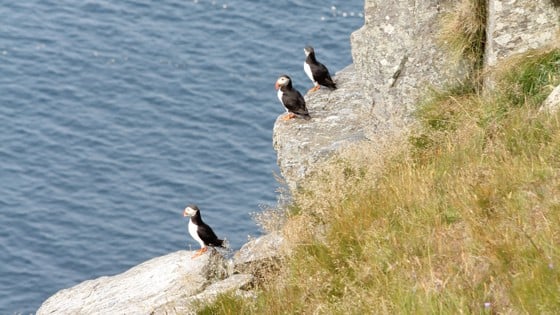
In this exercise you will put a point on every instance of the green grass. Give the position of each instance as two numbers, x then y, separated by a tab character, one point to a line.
464	219
531	81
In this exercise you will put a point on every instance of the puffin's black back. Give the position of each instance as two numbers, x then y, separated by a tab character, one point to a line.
205	232
293	100
320	72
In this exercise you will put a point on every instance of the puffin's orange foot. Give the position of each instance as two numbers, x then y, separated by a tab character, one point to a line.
288	116
313	89
200	252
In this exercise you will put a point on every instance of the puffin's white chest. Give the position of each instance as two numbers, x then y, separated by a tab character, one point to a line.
193	232
307	70
280	94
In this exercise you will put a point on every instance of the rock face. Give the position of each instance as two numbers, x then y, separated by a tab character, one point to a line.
338	118
259	255
515	26
397	55
142	289
239	284
171	284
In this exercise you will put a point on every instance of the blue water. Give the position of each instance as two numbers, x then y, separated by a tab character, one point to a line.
116	114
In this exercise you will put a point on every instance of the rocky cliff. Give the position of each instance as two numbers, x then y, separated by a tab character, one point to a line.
515	26
397	56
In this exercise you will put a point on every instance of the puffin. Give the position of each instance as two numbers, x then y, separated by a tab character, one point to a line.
291	99
316	71
200	231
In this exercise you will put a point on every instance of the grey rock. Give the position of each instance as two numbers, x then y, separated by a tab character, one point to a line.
552	102
234	282
338	118
171	284
398	55
516	26
239	284
259	256
141	289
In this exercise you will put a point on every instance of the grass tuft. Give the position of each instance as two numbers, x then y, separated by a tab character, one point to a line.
530	77
463	31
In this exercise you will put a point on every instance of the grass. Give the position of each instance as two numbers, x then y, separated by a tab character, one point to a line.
463	31
462	219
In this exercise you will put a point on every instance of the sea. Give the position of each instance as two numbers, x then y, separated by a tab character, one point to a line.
114	115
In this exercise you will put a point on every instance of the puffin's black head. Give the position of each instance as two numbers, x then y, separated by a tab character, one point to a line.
309	50
190	210
283	80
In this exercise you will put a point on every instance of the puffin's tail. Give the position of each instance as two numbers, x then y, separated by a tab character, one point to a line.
221	243
303	113
330	83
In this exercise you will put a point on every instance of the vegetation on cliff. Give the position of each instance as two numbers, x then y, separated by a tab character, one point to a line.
463	218
463	31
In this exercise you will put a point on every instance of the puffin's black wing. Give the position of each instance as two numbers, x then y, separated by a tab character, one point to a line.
208	236
321	75
294	102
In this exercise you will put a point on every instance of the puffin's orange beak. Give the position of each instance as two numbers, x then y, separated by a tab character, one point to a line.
185	214
276	86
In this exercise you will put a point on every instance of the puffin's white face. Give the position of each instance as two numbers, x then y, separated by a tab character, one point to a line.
308	50
189	212
282	81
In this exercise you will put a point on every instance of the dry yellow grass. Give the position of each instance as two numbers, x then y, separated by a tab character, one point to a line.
462	31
